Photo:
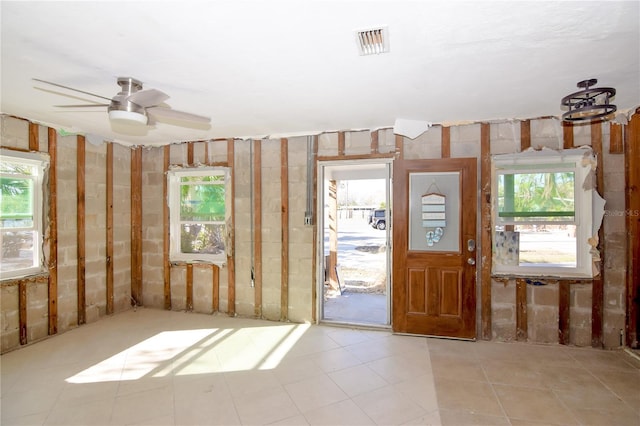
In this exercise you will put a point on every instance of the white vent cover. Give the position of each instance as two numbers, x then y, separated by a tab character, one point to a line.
373	41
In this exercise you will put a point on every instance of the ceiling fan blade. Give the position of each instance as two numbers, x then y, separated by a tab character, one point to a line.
71	88
176	115
148	98
82	106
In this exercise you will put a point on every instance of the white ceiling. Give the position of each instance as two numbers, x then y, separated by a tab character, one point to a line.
278	68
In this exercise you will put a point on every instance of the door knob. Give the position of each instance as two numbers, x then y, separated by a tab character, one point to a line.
471	261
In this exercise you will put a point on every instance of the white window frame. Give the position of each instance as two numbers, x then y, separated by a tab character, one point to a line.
533	161
173	199
41	163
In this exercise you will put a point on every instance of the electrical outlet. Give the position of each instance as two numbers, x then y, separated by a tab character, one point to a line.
308	220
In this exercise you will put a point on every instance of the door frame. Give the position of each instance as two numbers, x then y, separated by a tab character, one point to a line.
387	163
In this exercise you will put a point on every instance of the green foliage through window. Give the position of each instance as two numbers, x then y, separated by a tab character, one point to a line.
548	195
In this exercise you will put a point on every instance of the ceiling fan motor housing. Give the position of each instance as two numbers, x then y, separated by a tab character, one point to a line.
121	108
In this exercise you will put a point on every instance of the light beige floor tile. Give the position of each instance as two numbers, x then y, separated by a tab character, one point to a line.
450	348
348	337
356	380
398	368
142	406
295	369
421	390
458	368
29	420
344	412
336	374
430	419
265	406
371	350
335	359
625	384
533	404
587	398
95	412
245	382
476	397
21	404
387	406
298	420
563	378
468	418
596	359
513	373
615	415
315	392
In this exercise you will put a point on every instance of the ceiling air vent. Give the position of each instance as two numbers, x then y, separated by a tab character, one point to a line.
373	41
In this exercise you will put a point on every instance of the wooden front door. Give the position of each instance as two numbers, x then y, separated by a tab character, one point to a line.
434	247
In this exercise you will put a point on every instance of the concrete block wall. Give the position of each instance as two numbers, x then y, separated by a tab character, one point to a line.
542	303
14	134
96	230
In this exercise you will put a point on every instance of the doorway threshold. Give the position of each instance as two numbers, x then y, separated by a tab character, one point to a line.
355	325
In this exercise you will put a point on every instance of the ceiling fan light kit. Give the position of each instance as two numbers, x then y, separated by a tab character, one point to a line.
589	104
127	117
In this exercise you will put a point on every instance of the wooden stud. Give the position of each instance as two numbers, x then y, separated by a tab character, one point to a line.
34	143
632	202
485	232
53	231
215	284
189	287
190	153
616	143
446	142
22	311
109	212
341	143
597	297
257	227
314	263
375	144
564	303
399	147
284	190
567	135
521	310
166	264
525	135
81	236
136	225
231	274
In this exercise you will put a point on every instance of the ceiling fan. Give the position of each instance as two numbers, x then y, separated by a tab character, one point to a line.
135	105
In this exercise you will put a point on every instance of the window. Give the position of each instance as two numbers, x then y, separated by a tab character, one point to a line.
21	217
199	206
542	213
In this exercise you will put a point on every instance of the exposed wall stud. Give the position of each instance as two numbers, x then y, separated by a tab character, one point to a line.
136	225
284	187
598	282
446	142
231	274
485	231
109	236
53	231
166	265
257	226
81	240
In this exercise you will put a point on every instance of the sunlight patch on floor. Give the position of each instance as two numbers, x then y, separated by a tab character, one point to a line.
201	351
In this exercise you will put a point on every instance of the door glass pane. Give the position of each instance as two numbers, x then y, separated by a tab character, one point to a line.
434	211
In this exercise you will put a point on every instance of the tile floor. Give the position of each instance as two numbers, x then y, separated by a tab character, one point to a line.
152	367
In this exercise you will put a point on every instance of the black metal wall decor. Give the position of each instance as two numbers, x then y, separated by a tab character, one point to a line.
590	103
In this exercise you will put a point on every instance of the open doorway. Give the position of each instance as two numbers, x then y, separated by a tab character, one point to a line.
354	218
